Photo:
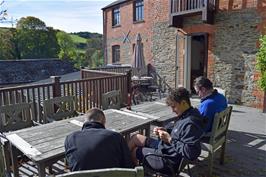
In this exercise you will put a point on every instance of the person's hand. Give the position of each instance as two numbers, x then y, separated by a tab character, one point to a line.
164	136
156	129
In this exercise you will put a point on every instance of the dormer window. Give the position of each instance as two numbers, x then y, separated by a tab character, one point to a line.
116	16
138	10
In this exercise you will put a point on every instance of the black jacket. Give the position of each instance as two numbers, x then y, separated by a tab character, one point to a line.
186	135
95	147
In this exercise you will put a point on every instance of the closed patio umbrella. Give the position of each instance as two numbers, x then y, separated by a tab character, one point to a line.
138	57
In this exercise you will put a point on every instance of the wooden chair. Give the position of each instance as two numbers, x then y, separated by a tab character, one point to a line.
217	138
59	108
174	172
13	117
111	100
108	172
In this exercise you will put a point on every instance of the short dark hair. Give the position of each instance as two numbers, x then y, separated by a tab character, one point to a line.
178	95
95	115
202	81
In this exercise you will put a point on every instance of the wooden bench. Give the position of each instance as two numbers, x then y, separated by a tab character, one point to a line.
59	108
111	100
108	172
217	138
13	117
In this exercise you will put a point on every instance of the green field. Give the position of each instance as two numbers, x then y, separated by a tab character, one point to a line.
78	39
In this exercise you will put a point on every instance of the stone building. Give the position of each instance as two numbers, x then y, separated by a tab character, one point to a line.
183	39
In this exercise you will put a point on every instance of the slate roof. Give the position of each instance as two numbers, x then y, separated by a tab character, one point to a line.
114	4
31	70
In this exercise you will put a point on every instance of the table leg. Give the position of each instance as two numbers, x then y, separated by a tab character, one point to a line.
6	156
14	156
148	130
41	170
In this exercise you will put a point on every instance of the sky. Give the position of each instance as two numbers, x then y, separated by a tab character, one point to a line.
66	15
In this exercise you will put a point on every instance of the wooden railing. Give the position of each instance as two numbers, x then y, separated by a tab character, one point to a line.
179	6
88	92
120	69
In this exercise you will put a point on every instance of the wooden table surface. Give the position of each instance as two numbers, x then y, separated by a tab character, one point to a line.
158	110
44	144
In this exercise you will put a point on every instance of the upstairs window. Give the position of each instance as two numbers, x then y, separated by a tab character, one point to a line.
138	10
115	54
116	16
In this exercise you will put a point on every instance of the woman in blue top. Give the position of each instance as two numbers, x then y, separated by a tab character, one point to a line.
211	102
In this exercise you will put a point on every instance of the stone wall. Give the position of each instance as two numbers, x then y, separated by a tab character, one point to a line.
164	50
25	71
235	53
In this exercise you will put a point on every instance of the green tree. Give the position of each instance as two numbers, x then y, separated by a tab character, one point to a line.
67	46
6	44
261	62
35	40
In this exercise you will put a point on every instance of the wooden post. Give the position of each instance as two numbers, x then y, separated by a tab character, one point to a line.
56	86
82	72
129	89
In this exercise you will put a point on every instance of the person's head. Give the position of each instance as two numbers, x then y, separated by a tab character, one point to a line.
203	86
179	100
95	115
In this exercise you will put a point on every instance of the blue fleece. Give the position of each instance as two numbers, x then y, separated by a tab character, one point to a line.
210	105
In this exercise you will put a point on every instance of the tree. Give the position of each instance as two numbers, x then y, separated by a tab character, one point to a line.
6	44
3	12
261	62
31	23
67	46
35	40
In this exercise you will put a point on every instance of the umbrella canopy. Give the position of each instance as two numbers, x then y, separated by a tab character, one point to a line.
138	57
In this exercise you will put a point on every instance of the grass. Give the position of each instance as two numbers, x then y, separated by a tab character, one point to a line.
78	39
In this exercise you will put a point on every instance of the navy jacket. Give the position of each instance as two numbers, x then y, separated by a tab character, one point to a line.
186	135
95	147
210	105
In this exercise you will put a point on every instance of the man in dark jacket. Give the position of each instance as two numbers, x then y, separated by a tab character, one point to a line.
95	147
182	142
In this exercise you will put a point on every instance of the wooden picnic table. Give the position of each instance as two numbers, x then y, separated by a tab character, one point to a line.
44	144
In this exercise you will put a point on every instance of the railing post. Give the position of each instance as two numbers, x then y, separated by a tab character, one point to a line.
82	72
129	89
56	86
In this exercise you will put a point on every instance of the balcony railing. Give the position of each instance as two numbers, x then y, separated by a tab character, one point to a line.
186	6
180	8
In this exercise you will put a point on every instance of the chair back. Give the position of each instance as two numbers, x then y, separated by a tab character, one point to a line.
15	116
220	127
59	108
111	100
108	172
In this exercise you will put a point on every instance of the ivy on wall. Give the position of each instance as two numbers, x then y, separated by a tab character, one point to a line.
261	62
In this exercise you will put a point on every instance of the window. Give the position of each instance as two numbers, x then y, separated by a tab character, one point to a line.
115	54
116	16
138	10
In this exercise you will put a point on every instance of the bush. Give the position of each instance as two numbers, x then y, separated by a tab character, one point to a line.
261	62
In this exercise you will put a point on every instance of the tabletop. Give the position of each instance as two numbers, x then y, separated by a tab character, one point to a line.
158	110
45	143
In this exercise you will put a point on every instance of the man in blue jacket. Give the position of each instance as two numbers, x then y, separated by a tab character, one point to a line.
95	147
211	102
183	141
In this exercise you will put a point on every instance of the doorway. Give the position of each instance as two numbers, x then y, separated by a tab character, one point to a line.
191	59
199	57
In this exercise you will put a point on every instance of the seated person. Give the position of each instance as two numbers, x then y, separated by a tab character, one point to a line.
183	140
94	147
211	102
